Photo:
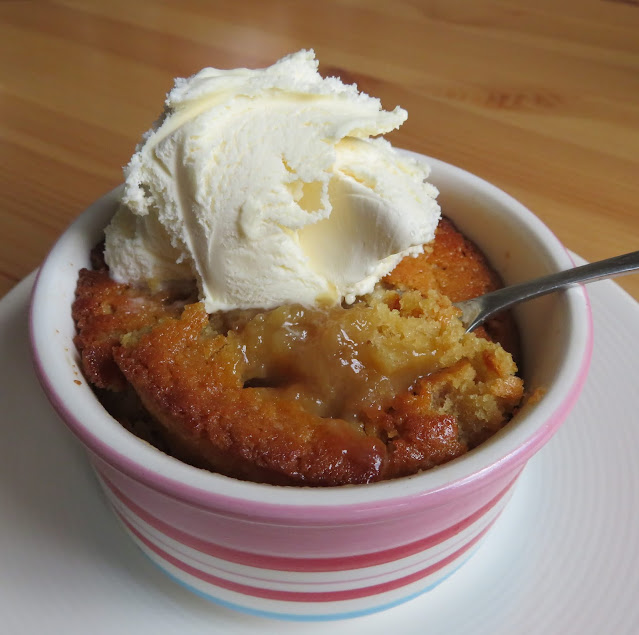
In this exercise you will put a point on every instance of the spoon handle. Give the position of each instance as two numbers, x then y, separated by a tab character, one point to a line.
475	311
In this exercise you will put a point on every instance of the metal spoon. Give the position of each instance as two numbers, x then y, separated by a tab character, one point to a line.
476	310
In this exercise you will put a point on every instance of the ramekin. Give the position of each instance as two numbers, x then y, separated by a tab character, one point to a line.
322	553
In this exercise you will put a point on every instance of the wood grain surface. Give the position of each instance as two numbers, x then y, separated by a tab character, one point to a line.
541	98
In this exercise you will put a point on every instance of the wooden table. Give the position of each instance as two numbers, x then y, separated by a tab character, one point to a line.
541	98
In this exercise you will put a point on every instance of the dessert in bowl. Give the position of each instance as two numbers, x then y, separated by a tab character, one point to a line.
324	552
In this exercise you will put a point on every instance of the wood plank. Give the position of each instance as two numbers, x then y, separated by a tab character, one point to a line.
540	98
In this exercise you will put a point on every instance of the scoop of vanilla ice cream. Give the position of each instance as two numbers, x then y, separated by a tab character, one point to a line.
267	187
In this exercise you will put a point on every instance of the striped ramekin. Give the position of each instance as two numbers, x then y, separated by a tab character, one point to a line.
322	553
310	566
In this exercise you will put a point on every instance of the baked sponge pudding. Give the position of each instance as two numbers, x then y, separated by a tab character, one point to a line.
354	393
273	297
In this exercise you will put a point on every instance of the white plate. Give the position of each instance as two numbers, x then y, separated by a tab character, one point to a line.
563	558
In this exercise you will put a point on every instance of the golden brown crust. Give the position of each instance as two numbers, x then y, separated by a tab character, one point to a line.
192	380
187	381
103	312
308	396
451	264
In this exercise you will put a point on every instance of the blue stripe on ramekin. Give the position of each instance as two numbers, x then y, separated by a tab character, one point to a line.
312	618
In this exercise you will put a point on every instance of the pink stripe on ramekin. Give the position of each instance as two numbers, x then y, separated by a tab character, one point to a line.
302	596
302	564
296	580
